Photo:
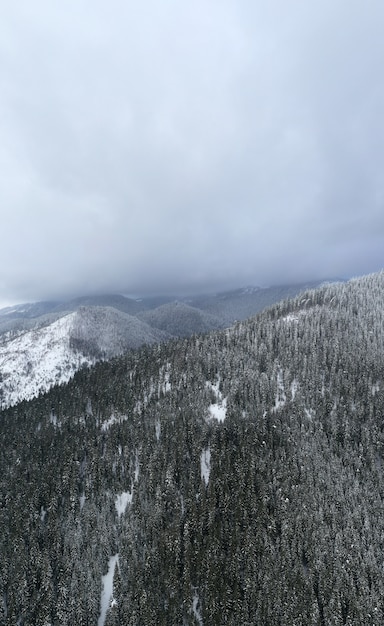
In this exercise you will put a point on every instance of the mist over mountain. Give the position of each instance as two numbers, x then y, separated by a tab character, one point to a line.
227	478
115	301
238	304
227	305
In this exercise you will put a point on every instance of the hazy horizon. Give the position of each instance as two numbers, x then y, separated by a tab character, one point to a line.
182	294
155	148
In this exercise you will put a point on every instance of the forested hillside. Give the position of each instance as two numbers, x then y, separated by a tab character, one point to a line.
234	478
45	343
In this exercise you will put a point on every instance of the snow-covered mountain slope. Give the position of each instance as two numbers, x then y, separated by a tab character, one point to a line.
104	332
37	359
34	360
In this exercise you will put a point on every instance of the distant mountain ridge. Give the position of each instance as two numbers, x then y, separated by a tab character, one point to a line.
45	343
181	320
227	305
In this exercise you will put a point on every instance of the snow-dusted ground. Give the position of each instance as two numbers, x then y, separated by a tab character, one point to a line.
121	502
114	419
158	429
123	499
218	409
281	397
82	501
294	318
107	591
294	388
38	359
205	464
196	608
290	318
375	388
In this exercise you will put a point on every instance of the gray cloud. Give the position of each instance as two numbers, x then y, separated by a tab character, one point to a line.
174	146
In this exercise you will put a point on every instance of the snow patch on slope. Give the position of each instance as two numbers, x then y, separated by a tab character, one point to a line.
114	419
196	608
375	388
218	409
107	592
121	502
205	464
157	429
123	499
280	398
294	388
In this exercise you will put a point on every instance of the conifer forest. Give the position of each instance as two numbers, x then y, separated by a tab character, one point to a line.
234	478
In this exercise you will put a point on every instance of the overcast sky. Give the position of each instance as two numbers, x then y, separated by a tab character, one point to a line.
175	146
